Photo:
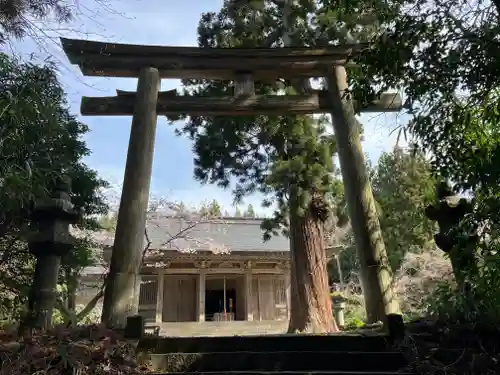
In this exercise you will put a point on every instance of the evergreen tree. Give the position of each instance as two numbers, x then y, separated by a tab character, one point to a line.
16	17
288	158
40	142
181	207
249	212
353	22
214	209
237	212
320	23
403	185
444	58
203	210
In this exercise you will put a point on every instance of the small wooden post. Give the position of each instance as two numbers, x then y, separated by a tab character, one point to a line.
159	296
396	327
202	279
135	327
339	270
244	85
287	290
120	298
225	308
248	291
339	304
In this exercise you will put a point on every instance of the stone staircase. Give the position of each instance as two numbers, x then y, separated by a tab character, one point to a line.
278	354
234	328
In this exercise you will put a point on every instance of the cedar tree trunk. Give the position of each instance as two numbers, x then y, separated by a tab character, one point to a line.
310	302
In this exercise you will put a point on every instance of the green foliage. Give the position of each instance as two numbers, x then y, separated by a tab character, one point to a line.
480	303
39	141
349	263
249	212
354	318
337	202
283	157
86	253
403	186
211	210
444	57
15	16
444	60
214	209
476	296
354	312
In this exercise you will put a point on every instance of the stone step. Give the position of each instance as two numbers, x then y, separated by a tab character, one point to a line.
284	373
234	328
279	361
266	343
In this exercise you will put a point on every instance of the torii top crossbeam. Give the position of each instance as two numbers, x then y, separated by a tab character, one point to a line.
126	60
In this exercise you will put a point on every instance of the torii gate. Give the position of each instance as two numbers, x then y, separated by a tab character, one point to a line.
150	64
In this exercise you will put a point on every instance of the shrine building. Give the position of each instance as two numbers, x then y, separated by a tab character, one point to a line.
207	271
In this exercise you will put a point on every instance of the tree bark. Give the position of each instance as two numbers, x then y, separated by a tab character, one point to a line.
71	285
71	300
376	274
310	302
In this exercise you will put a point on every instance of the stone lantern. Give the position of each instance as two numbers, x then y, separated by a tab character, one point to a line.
49	241
339	305
449	211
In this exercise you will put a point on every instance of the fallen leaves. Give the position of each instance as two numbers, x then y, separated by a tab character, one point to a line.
91	349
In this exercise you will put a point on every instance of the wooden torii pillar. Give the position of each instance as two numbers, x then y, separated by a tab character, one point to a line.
150	64
123	283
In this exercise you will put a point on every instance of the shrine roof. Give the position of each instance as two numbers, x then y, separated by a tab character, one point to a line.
222	235
217	235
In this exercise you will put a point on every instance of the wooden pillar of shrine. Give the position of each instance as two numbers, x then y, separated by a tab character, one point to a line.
159	296
202	280
248	292
119	302
288	285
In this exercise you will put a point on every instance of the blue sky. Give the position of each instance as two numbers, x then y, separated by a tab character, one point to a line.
157	22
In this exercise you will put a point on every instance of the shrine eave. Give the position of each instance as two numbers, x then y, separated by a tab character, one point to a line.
209	255
126	60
